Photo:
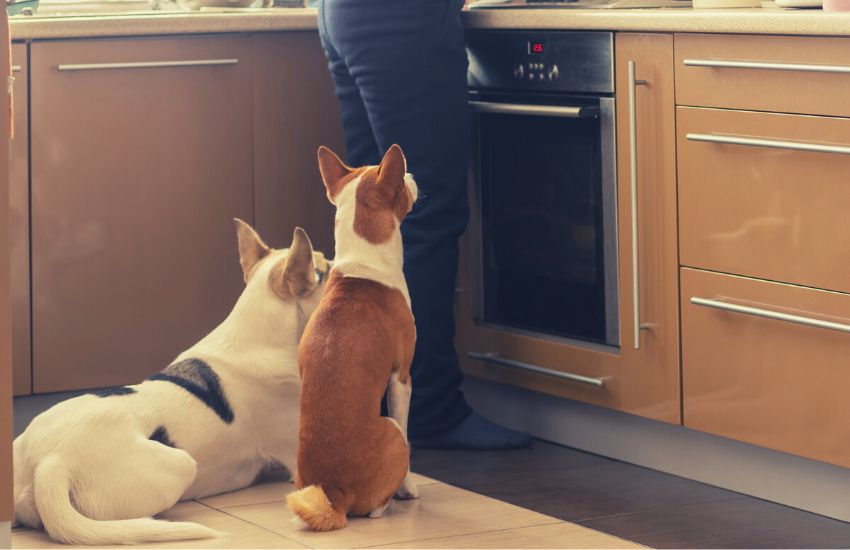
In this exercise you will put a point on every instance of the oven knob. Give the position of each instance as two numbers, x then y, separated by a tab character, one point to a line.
531	76
553	73
519	71
540	76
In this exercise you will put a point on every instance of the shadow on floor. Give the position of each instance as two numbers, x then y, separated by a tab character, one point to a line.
631	502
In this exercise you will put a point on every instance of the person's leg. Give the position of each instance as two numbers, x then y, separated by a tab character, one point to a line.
360	145
408	60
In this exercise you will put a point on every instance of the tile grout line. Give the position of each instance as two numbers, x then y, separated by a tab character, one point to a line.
254	524
472	533
645	510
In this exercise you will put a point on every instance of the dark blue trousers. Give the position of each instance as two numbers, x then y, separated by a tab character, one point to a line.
400	73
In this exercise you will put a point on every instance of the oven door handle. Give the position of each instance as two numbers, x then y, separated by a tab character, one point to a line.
582	111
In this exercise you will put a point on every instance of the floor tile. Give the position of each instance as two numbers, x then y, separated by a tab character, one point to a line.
442	510
270	491
471	467
239	534
740	522
580	493
556	535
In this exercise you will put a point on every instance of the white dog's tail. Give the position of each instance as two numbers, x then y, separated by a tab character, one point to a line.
65	524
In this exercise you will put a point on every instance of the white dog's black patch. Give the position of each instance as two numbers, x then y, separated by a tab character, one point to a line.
161	435
117	390
196	377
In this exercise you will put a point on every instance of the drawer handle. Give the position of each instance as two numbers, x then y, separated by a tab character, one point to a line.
147	65
762	65
633	178
494	358
533	110
771	143
16	68
767	314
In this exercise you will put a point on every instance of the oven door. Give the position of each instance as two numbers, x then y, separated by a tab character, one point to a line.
544	216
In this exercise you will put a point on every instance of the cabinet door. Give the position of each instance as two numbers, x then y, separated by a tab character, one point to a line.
6	512
141	155
642	381
19	209
295	111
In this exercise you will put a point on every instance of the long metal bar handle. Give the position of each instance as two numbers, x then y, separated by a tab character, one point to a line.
767	314
770	143
583	111
764	65
147	65
633	177
494	358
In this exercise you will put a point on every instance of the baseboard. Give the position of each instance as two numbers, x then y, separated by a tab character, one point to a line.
5	534
28	407
778	477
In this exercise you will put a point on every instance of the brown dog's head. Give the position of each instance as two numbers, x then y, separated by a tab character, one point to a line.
297	272
373	199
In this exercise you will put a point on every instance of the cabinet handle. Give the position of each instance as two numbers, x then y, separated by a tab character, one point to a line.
534	110
767	314
633	176
494	358
147	65
763	65
16	68
770	143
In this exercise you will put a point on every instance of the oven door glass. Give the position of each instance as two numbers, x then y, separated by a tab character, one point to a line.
548	225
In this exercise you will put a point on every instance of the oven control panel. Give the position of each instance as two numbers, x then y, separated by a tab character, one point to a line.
536	72
562	61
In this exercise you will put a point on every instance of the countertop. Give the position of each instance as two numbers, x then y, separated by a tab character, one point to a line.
749	21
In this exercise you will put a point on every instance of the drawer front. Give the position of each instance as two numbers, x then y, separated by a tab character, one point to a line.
766	73
766	381
766	212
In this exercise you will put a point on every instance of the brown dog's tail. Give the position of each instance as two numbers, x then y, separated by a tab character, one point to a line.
312	505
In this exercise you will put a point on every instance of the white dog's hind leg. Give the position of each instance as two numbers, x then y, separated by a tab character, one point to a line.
145	480
398	405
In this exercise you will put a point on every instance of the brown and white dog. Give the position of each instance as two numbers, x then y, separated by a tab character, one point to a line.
358	344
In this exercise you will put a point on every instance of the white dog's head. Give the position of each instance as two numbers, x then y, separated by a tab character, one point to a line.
297	273
372	199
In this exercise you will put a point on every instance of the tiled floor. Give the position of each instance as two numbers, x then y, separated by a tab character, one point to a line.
638	504
443	517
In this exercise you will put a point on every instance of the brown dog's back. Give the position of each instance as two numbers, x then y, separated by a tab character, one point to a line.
362	332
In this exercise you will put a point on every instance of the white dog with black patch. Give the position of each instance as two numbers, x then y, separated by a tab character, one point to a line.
96	468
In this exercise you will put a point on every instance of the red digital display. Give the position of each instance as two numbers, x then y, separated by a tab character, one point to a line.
535	47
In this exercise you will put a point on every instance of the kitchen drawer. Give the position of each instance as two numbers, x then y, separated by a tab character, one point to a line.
765	212
786	74
771	382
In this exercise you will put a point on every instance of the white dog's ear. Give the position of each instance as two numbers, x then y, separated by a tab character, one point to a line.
333	170
298	277
252	249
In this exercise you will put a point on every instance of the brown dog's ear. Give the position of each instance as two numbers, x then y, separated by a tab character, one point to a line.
390	181
393	167
333	170
298	276
252	249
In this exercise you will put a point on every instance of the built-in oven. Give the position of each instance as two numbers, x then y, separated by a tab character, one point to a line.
544	220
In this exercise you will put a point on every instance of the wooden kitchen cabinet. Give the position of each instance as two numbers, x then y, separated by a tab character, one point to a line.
642	381
141	155
6	509
773	373
19	182
770	212
295	111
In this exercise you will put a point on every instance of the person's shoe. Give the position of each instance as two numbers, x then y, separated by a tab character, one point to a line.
476	433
